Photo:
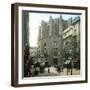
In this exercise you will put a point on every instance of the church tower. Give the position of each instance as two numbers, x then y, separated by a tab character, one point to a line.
60	25
61	41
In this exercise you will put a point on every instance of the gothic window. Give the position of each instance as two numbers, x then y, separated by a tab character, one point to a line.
56	29
55	44
44	44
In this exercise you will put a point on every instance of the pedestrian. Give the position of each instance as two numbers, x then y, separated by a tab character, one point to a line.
32	70
36	72
58	69
48	68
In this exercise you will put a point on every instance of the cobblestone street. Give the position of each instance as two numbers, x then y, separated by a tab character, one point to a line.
53	72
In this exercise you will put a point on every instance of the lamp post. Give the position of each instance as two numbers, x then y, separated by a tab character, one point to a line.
67	63
67	68
71	61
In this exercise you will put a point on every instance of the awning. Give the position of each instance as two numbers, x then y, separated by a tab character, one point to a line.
67	62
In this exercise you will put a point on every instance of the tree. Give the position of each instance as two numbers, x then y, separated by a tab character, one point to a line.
67	52
26	61
72	50
76	51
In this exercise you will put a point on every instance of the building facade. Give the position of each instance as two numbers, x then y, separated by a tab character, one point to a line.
53	36
25	28
25	42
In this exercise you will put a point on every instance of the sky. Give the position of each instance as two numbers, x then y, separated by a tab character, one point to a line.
35	21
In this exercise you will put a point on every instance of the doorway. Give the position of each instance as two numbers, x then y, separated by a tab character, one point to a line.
55	61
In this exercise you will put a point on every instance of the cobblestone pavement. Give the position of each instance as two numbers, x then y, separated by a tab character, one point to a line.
53	72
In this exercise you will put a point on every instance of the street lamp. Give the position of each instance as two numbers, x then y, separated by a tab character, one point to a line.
71	61
67	63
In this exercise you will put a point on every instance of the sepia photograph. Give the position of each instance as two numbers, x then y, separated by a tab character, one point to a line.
48	44
51	44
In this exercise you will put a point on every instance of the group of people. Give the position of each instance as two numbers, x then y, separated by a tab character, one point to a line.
33	68
36	68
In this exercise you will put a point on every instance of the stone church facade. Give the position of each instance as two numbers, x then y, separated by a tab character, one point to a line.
52	37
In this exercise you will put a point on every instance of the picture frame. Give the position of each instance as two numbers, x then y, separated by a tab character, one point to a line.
55	28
